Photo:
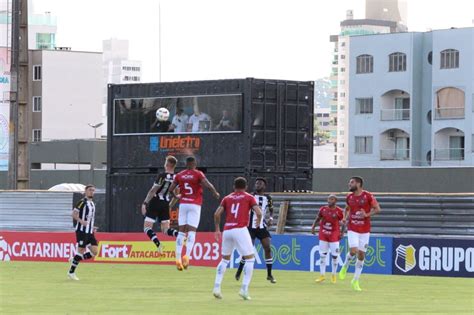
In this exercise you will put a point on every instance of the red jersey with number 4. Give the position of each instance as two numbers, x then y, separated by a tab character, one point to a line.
189	183
237	208
329	228
358	205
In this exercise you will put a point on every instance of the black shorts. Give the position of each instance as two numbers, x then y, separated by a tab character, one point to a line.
259	233
158	210
84	239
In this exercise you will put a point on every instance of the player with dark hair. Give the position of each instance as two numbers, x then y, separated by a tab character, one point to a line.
329	236
361	205
84	215
237	207
259	229
156	206
190	182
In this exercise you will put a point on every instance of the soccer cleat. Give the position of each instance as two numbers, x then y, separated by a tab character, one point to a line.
320	279
237	276
333	278
185	262
160	249
217	294
245	295
343	272
179	265
355	285
72	276
271	279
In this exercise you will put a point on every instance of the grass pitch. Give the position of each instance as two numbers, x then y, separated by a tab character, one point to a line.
32	287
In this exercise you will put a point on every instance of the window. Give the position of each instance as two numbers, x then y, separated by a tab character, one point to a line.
343	44
36	103
36	135
343	69
342	82
364	105
341	107
187	114
341	132
430	57
449	103
363	145
342	94
36	73
325	115
397	62
343	56
365	64
449	59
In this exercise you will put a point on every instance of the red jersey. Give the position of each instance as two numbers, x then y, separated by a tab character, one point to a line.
359	204
329	229
237	208
189	183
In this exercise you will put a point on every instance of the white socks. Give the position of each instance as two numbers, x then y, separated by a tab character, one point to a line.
334	265
190	242
348	260
220	270
358	269
322	264
248	271
179	244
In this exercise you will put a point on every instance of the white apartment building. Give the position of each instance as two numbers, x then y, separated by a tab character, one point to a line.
66	94
411	99
117	69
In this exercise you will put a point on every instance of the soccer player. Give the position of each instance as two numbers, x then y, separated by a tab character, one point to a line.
190	182
156	206
329	236
259	230
84	214
361	205
237	207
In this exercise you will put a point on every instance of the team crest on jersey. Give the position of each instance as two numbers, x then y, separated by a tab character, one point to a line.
405	259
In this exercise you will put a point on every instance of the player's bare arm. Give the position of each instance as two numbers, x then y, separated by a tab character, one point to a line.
208	185
148	197
374	210
270	211
315	223
346	214
217	222
173	191
75	216
174	200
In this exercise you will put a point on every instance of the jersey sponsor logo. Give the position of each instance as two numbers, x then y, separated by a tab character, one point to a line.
405	258
134	251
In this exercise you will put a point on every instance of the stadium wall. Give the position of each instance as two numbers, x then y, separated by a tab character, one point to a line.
385	255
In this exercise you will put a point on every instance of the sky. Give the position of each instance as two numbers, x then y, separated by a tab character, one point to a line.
221	39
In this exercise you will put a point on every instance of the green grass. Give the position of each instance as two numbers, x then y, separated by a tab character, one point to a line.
27	287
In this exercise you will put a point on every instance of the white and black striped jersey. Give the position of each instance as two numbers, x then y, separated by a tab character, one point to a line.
86	209
266	204
164	181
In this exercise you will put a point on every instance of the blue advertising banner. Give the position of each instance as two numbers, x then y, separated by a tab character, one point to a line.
301	252
433	257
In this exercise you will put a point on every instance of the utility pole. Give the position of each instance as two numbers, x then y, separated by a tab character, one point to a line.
18	164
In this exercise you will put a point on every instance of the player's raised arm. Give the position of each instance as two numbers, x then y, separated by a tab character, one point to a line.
217	222
206	183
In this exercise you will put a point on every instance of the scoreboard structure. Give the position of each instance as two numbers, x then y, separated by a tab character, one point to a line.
240	127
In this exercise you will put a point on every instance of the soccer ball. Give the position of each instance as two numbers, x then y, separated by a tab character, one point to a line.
162	114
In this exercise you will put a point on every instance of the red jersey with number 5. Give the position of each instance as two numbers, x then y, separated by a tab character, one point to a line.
189	183
358	205
329	229
237	208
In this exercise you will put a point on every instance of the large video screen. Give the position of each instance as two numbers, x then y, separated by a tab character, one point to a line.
186	114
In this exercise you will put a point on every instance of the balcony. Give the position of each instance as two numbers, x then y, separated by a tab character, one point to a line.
395	155
449	145
456	154
395	145
394	114
395	106
449	113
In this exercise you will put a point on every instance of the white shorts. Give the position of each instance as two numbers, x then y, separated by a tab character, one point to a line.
359	240
325	246
189	214
238	238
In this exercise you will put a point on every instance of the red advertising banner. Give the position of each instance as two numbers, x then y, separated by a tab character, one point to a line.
113	247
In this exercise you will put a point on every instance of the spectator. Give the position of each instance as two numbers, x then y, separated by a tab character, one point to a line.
180	120
226	123
195	120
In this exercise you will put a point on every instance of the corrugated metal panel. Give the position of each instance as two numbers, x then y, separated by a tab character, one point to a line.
446	215
35	211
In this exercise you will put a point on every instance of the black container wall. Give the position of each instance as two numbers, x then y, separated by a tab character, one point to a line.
274	140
